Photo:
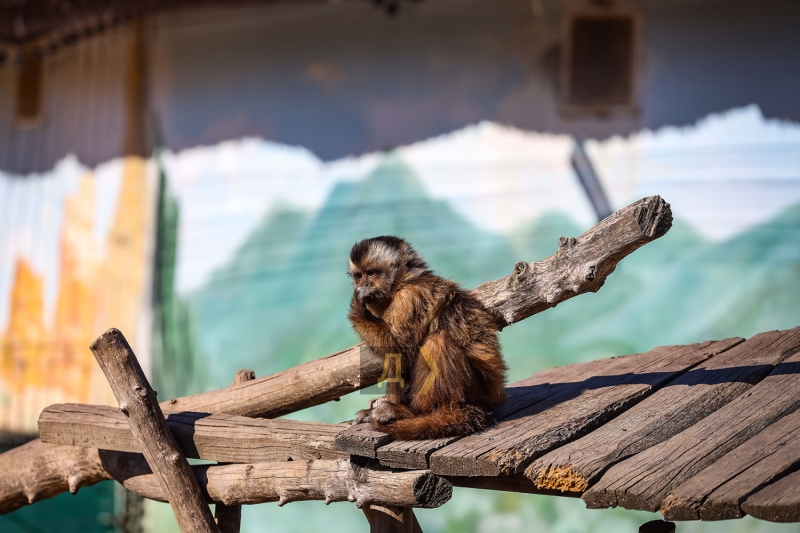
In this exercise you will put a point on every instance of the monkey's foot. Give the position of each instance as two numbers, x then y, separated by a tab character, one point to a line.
387	412
363	417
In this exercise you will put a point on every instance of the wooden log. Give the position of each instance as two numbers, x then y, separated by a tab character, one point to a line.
391	519
329	481
222	438
137	400
36	471
670	410
580	265
643	481
778	502
717	492
575	410
361	440
297	388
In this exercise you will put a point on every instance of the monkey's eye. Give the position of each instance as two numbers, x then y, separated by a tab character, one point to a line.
357	275
371	272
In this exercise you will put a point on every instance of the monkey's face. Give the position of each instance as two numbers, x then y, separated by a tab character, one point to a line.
372	282
373	268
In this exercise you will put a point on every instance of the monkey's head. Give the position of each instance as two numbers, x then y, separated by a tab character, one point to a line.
378	264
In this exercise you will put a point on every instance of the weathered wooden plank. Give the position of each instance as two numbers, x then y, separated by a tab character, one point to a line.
670	410
137	400
778	502
580	407
223	438
519	395
361	440
285	482
644	480
717	492
510	483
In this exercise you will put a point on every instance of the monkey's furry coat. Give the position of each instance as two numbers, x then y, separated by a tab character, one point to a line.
452	372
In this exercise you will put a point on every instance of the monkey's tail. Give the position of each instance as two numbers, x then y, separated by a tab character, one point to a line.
454	421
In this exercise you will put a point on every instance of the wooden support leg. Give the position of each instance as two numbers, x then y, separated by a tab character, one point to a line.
229	517
391	519
658	526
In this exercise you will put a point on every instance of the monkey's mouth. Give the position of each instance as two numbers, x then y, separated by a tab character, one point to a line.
368	294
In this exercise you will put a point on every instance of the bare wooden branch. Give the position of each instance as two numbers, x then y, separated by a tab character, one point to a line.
137	400
36	471
580	265
329	481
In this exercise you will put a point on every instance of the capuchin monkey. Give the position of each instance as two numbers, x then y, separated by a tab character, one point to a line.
443	370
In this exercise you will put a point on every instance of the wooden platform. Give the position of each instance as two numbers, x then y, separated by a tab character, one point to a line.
704	431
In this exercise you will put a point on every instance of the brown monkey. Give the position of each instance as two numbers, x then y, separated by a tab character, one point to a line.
451	372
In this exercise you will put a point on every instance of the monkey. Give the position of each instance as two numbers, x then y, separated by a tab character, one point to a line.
451	371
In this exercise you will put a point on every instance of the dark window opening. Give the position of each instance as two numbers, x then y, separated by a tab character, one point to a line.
29	88
600	61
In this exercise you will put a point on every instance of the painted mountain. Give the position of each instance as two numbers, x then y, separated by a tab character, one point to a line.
282	298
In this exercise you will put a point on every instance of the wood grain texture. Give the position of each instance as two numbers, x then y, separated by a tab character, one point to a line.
576	409
137	400
223	438
361	440
329	481
580	265
717	492
778	502
681	403
646	479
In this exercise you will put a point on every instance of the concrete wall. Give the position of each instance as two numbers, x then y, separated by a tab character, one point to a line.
343	78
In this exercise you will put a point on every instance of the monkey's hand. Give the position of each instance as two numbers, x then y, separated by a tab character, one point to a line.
387	412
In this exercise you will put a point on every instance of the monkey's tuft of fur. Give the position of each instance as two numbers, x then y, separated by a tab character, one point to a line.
452	374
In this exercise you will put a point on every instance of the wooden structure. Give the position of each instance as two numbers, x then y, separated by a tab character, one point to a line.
703	431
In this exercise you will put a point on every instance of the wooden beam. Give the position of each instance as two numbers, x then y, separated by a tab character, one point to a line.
222	438
137	401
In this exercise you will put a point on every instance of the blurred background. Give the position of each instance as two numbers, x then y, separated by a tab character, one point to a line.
195	172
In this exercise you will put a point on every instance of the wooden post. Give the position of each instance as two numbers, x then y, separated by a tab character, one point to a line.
391	519
229	517
137	400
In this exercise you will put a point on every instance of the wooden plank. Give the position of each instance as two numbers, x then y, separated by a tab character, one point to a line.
717	492
670	410
137	400
644	480
578	408
223	438
778	502
519	395
510	483
361	440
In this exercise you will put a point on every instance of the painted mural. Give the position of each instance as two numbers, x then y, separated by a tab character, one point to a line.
75	260
233	256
